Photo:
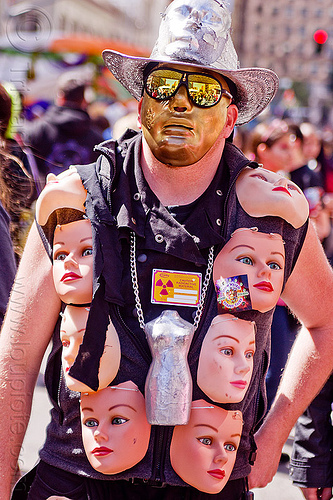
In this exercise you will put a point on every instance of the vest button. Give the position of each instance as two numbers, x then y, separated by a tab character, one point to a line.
219	222
142	258
219	192
159	238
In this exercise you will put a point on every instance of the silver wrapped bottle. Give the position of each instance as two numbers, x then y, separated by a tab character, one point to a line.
169	383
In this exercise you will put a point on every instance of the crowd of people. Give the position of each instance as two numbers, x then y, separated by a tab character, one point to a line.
155	200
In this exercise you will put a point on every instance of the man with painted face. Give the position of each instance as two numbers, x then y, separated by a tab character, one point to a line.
163	202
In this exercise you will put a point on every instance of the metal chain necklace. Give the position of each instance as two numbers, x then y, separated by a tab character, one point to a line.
134	277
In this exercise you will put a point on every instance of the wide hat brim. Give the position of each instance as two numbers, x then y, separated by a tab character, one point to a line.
256	87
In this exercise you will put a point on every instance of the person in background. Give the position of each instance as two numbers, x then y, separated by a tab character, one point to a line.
65	134
327	159
7	262
311	465
312	146
272	144
18	191
299	170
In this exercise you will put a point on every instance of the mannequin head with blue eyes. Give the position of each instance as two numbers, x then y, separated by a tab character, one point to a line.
226	359
73	262
211	438
115	429
261	257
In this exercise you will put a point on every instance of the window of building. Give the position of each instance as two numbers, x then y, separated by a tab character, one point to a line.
289	10
300	49
273	29
288	30
314	68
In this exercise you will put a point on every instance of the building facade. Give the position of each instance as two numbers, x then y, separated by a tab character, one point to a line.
279	36
137	25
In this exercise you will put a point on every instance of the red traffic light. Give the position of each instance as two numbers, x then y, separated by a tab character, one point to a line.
320	36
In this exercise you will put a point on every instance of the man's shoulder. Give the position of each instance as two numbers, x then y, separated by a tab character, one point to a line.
235	159
115	151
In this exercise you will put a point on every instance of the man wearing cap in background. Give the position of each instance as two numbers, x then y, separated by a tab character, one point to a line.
163	202
65	134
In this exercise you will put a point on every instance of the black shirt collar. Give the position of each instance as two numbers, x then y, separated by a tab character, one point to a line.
136	207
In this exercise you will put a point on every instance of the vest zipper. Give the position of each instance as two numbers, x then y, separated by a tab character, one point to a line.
138	344
161	439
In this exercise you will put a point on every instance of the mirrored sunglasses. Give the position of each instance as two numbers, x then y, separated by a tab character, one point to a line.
203	90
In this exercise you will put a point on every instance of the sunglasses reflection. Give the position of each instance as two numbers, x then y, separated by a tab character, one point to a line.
203	90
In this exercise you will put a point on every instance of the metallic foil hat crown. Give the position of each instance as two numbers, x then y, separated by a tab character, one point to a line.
197	33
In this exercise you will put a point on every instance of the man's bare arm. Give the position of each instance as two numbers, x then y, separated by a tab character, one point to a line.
31	316
309	295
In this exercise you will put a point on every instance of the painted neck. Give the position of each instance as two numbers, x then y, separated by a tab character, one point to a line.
180	185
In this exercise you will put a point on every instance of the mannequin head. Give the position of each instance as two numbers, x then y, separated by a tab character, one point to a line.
262	192
63	190
115	430
73	262
261	257
226	359
179	33
72	330
211	438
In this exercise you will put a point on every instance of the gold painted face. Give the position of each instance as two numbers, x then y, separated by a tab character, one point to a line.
178	132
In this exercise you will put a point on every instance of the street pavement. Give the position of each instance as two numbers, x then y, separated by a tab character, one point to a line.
280	488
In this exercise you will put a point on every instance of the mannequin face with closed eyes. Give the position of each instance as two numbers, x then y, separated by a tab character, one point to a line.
72	330
180	38
262	192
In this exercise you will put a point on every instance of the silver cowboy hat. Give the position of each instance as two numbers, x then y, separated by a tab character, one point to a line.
197	33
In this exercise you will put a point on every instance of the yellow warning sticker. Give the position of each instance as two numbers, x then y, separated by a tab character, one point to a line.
176	287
